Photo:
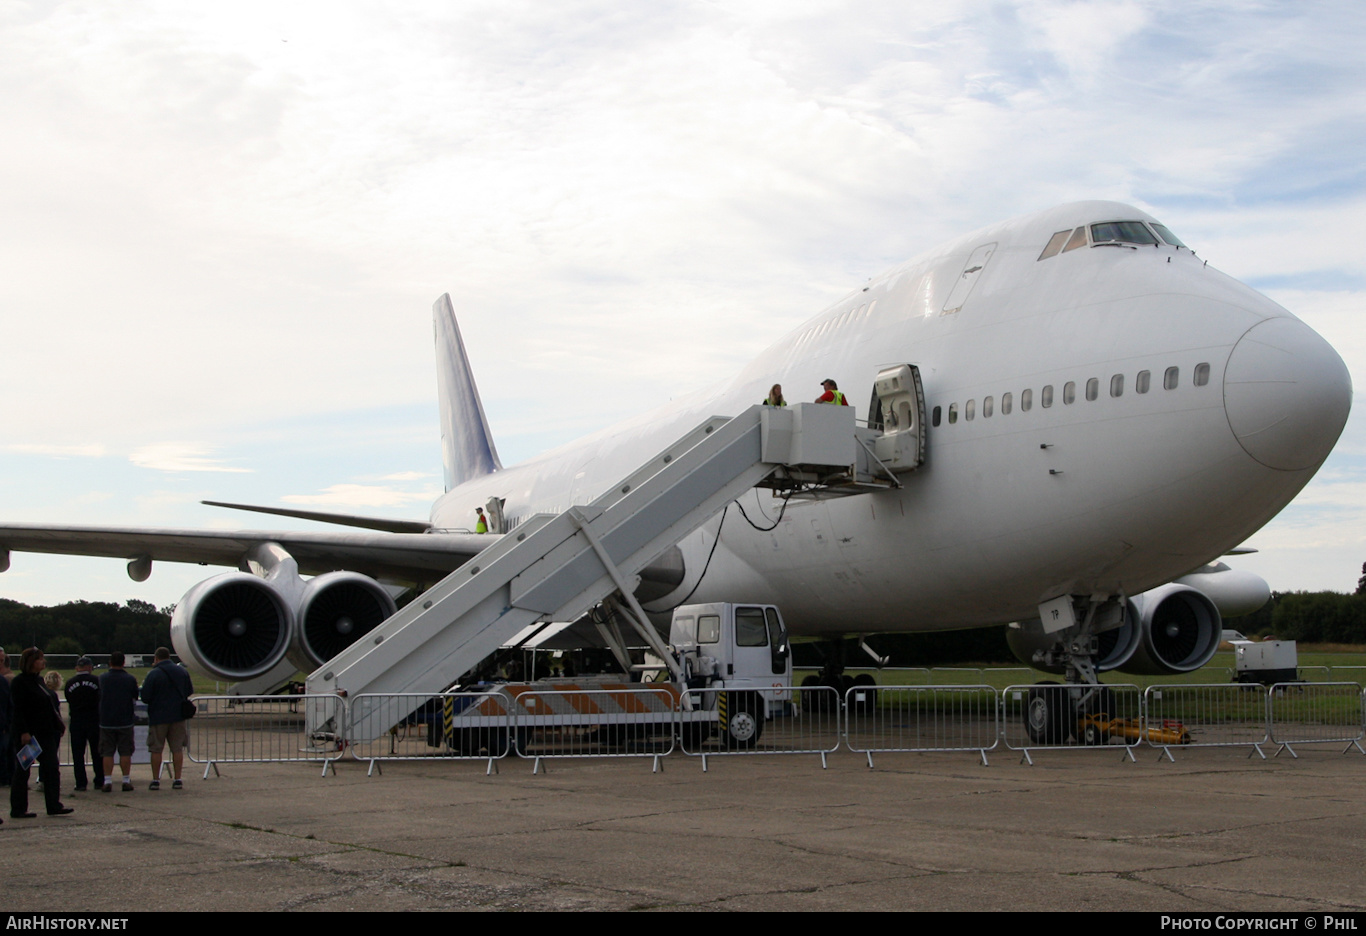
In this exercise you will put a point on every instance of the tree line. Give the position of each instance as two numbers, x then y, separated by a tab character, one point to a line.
84	627
1308	617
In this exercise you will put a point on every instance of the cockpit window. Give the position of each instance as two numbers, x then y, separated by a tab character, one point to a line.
1167	235
1078	239
1122	232
1054	244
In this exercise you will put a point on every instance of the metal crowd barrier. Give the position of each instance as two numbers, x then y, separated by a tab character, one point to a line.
651	720
266	729
1207	715
449	726
802	720
908	674
1000	676
956	675
1314	713
563	723
1355	674
881	719
1315	673
1057	716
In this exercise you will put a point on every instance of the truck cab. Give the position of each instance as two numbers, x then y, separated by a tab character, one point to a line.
742	648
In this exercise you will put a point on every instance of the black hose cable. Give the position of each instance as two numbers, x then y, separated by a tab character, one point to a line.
786	497
714	544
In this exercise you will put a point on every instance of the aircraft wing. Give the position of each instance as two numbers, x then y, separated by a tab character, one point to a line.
415	557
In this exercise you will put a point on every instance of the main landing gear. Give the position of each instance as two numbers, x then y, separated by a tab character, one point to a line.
1081	707
833	676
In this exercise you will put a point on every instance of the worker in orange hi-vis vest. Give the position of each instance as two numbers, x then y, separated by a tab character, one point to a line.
832	393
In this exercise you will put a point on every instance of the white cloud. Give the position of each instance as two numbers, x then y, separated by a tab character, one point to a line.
180	456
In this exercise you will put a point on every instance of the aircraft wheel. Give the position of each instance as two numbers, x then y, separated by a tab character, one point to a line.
1046	718
816	700
864	683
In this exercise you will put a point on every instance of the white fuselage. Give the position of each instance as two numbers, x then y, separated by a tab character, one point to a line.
1112	495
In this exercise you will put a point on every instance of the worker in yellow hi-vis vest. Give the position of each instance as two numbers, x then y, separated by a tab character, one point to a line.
481	525
832	393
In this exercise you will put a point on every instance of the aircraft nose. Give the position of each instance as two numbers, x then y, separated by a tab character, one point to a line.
1286	393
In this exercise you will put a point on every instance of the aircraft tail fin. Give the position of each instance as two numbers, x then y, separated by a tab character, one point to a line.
467	449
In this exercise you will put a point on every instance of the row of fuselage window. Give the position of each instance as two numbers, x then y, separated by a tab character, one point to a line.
1171	379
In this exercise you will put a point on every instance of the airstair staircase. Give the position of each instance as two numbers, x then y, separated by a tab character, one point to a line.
557	567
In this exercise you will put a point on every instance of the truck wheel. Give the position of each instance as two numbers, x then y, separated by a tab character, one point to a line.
745	725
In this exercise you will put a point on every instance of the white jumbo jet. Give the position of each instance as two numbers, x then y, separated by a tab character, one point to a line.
1083	418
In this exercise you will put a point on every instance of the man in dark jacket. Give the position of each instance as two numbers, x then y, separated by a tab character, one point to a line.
35	718
82	693
6	762
166	690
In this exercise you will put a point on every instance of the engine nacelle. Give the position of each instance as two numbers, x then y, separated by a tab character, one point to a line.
1179	631
233	626
1233	591
335	611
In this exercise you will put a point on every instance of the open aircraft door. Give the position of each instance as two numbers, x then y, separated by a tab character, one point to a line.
901	405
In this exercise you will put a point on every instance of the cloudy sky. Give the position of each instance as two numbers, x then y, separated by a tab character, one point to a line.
225	224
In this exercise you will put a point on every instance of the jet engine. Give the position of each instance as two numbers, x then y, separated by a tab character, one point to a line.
233	626
335	611
1179	629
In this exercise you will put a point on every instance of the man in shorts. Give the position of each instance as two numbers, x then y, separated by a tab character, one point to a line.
166	690
118	696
